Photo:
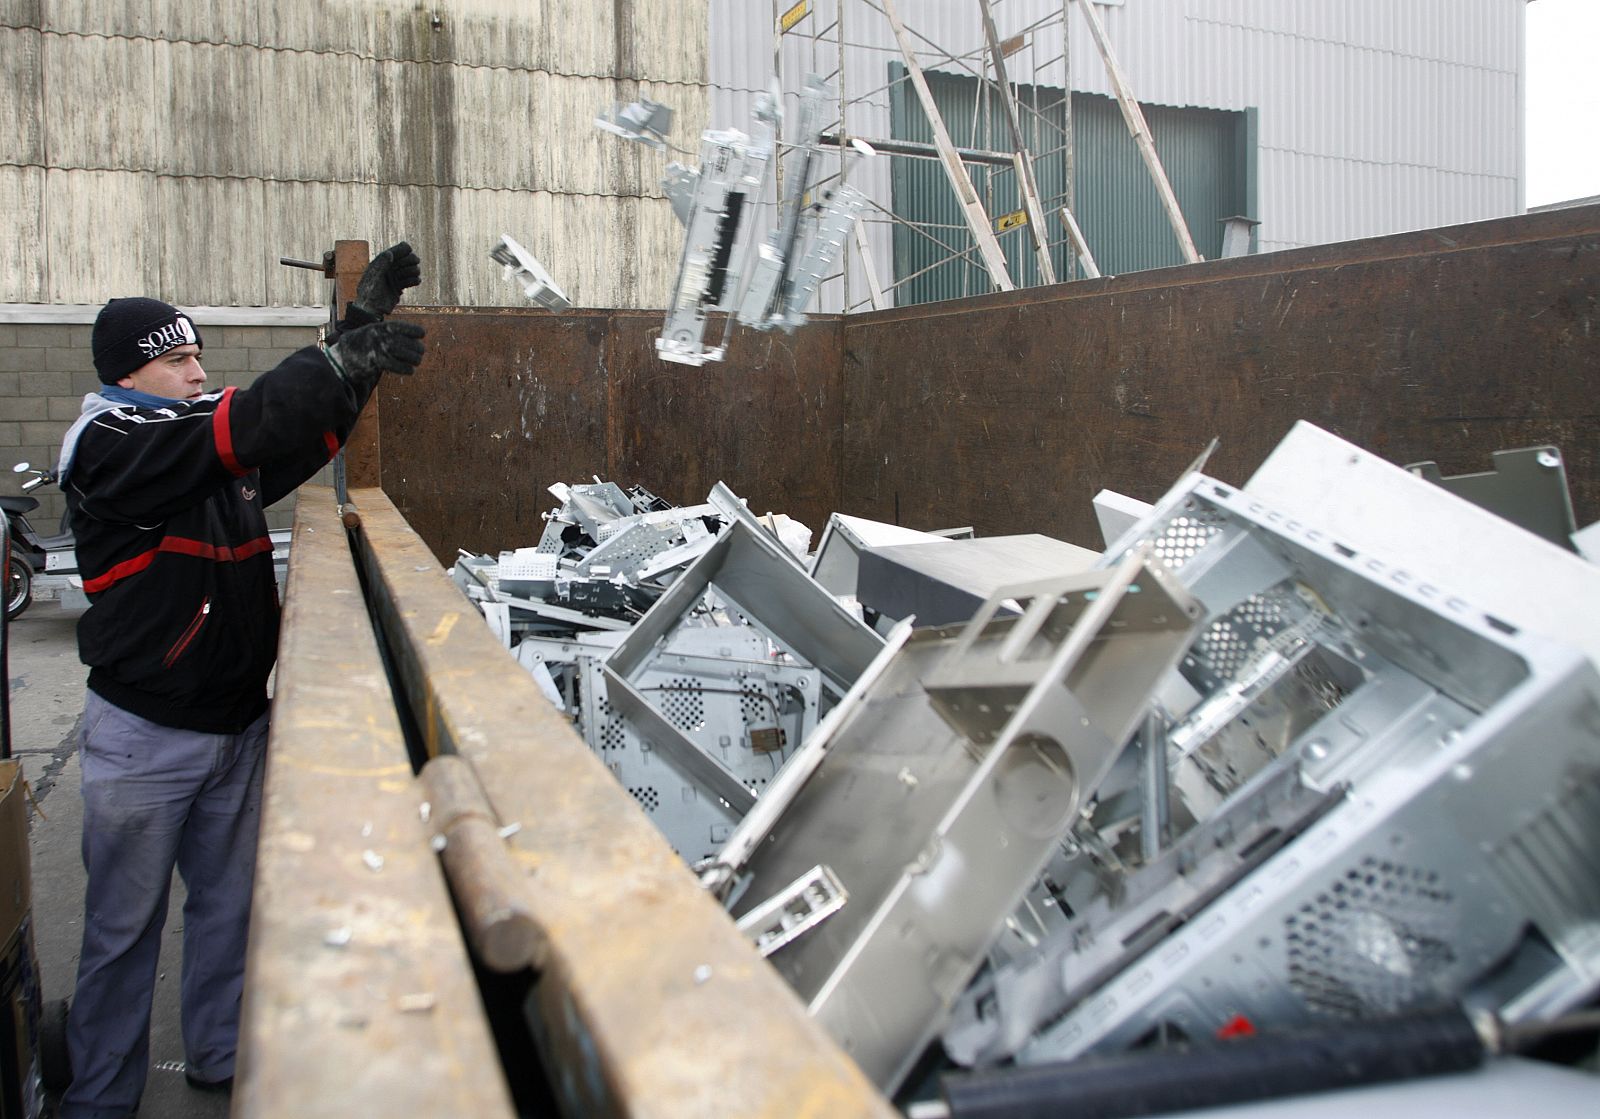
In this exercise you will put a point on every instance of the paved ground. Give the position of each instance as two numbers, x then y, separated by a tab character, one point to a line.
46	700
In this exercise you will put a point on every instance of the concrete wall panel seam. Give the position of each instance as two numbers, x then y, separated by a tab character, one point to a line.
367	56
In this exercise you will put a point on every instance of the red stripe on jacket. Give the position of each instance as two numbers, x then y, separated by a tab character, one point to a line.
331	441
222	432
182	546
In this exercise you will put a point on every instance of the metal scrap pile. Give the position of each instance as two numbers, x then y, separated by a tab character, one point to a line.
1257	760
637	619
604	557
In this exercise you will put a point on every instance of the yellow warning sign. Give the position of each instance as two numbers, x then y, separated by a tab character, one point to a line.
794	15
1011	220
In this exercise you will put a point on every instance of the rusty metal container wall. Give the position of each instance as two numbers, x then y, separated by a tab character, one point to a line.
259	133
1009	412
512	401
320	1031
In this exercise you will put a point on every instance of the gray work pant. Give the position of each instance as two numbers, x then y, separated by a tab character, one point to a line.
155	797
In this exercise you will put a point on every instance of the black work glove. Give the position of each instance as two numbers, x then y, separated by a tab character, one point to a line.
362	355
386	279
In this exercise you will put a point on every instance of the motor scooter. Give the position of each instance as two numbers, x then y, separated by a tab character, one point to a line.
33	553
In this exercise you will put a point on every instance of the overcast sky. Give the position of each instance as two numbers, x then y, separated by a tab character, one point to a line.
1563	100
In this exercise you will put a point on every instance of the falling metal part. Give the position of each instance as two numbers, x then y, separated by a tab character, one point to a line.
527	273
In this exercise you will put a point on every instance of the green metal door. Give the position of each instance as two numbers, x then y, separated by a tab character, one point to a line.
1206	153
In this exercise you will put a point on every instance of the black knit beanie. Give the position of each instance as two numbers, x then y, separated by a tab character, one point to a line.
130	332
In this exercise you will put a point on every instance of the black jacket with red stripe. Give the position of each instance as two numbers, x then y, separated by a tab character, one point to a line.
168	507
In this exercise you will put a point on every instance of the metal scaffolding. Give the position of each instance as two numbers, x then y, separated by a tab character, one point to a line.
1020	55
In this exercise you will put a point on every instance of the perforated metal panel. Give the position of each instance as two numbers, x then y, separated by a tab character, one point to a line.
1229	642
680	699
693	822
747	715
1376	941
550	539
1435	740
612	731
1178	542
626	547
647	796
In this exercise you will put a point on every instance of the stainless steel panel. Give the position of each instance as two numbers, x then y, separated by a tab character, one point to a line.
947	786
752	573
837	561
1371	507
1377	788
944	582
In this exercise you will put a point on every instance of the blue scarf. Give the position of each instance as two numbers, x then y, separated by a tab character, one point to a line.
119	395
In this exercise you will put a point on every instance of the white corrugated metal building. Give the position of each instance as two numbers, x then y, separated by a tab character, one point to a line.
1357	117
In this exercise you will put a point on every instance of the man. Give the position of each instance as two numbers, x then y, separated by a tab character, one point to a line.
166	486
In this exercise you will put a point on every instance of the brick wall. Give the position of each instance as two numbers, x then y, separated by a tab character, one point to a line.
46	370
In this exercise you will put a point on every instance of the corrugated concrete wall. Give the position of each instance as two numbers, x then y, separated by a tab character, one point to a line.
178	149
1009	412
45	370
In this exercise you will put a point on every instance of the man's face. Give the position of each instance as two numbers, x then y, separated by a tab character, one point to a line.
176	374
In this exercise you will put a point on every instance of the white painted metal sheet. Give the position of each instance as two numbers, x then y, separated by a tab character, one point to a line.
1375	116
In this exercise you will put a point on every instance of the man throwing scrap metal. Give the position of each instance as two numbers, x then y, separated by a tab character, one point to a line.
167	486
